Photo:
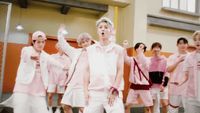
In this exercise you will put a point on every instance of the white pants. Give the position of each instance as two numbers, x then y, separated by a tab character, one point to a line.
192	106
175	102
25	103
98	102
157	95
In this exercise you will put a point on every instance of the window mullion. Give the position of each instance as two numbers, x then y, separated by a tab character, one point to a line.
197	6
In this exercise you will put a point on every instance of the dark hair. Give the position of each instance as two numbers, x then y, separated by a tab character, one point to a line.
185	41
156	44
32	43
137	45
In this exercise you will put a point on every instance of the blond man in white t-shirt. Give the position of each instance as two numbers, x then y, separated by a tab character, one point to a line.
103	86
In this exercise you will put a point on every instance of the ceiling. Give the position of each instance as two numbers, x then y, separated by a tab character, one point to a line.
99	6
120	3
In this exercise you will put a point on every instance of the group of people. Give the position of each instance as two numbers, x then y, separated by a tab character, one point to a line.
152	77
171	82
91	77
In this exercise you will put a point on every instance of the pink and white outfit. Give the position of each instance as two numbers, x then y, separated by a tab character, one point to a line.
103	62
157	75
57	83
74	94
176	93
32	81
192	66
136	78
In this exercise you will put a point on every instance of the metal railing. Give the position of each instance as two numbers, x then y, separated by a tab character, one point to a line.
5	41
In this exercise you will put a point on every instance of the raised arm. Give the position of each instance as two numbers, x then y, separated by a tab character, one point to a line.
142	59
69	50
127	59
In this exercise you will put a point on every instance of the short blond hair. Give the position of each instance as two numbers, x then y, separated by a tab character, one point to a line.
196	34
106	20
83	36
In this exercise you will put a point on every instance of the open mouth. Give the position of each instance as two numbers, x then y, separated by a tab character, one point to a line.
102	33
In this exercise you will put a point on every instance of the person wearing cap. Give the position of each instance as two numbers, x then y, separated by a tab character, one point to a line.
104	84
57	82
32	77
74	94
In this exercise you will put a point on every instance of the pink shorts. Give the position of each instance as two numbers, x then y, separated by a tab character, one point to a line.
145	95
58	80
52	88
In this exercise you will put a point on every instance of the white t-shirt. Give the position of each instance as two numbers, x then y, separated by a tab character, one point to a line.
103	66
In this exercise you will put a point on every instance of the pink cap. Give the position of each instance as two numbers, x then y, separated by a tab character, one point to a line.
38	34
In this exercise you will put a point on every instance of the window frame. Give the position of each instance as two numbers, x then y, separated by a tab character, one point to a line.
178	10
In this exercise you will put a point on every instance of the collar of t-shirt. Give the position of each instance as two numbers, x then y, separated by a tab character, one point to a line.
107	48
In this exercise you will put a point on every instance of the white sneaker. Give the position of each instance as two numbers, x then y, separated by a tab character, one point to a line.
50	110
57	110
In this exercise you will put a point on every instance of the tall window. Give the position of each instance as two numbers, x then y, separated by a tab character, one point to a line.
184	5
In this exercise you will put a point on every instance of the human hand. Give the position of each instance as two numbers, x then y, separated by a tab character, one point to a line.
162	88
62	30
87	98
35	57
113	93
125	44
180	59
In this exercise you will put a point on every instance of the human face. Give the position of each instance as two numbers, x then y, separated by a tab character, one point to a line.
104	31
182	46
39	44
197	42
156	51
85	42
140	48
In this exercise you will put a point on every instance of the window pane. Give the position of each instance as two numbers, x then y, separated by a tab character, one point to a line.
191	5
166	3
183	5
174	4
